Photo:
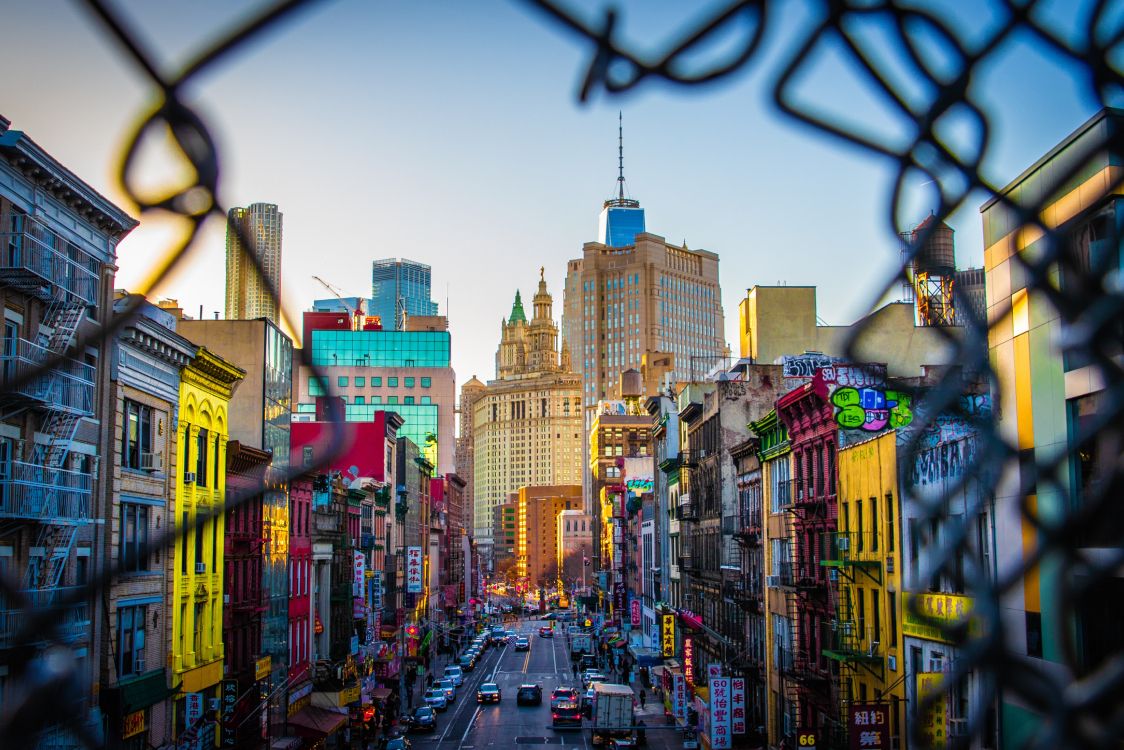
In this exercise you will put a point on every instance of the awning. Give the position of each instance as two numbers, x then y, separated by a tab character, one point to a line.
380	693
645	657
316	722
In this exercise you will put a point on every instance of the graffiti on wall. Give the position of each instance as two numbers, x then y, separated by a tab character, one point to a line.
943	462
828	379
870	409
805	365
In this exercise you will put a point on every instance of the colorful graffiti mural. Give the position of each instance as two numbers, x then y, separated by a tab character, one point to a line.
870	409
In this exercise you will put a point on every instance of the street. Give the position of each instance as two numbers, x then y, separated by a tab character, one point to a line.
468	726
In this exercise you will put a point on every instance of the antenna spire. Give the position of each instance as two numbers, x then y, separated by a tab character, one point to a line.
620	153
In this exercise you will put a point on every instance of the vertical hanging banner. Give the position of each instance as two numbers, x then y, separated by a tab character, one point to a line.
679	696
635	613
359	568
934	719
667	635
720	713
737	700
413	570
689	660
869	729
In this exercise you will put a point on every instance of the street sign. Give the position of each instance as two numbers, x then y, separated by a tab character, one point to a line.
806	738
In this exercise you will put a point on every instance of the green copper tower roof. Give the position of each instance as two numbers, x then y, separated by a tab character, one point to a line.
517	313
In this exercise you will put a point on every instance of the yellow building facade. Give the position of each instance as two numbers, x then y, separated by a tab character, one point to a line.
536	537
864	558
196	598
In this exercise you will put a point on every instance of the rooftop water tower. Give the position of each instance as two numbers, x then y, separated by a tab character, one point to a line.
932	272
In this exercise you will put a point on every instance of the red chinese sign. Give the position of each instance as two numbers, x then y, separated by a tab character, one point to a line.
869	726
737	700
689	660
635	613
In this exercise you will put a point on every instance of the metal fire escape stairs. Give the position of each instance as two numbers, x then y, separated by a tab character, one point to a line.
60	424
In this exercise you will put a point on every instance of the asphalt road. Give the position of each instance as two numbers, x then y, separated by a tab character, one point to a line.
468	726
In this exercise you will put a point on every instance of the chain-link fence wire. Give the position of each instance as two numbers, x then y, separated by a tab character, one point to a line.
1083	703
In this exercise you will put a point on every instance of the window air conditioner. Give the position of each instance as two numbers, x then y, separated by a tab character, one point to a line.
189	477
152	461
200	567
772	581
844	543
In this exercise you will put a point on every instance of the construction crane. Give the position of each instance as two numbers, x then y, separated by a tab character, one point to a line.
356	313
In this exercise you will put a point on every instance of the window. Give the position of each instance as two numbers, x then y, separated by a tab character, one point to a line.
392	400
130	639
341	381
359	400
136	437
360	381
409	382
889	522
392	382
133	541
376	382
426	382
1034	634
201	457
316	387
892	608
874	524
408	400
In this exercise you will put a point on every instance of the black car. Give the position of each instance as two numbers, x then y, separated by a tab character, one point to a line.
467	662
396	743
488	692
423	719
529	695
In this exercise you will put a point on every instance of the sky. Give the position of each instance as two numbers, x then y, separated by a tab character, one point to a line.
450	133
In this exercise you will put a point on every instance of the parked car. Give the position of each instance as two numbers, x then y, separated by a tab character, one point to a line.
467	662
455	674
436	698
489	692
448	686
529	695
564	695
545	632
591	676
522	644
396	743
587	703
424	718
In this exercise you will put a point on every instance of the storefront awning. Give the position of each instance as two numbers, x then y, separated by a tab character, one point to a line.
380	694
645	657
316	722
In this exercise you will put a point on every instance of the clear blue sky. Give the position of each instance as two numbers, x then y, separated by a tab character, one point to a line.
449	132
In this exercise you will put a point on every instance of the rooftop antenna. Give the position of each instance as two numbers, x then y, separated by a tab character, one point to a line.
620	153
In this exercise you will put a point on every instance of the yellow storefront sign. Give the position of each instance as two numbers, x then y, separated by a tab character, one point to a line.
133	724
938	613
263	667
934	718
349	695
667	635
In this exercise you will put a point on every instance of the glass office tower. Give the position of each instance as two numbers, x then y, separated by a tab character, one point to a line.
400	286
620	221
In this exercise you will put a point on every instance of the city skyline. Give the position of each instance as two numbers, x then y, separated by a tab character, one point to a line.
721	172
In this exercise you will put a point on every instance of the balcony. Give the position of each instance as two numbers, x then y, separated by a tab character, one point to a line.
686	510
38	261
67	385
855	550
66	624
37	493
745	594
852	642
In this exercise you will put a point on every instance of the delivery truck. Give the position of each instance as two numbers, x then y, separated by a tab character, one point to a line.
612	713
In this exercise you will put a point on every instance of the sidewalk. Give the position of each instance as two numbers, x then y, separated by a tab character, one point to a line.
437	669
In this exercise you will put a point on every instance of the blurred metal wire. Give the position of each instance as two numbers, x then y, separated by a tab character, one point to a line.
1084	711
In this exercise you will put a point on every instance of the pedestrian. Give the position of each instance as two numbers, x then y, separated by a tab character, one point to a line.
643	697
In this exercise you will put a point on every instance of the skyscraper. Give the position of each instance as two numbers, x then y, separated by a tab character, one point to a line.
621	218
527	422
400	287
248	296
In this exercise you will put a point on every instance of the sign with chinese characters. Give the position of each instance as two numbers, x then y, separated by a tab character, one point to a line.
227	701
737	701
193	711
933	702
376	591
936	610
413	570
689	660
713	670
635	613
132	724
720	706
262	667
679	696
667	635
358	569
869	726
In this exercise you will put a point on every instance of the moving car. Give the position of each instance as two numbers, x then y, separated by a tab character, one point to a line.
522	644
566	714
587	703
489	692
467	662
436	698
529	695
449	687
455	674
591	676
423	718
564	695
545	632
396	743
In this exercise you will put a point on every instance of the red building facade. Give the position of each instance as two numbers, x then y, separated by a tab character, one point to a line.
812	434
300	572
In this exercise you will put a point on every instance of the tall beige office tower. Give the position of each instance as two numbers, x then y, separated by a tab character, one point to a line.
247	294
527	422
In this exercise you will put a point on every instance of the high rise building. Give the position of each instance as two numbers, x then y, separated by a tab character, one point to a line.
248	296
406	372
621	218
466	445
400	288
527	422
536	538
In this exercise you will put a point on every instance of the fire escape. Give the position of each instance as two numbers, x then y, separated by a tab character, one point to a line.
41	489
